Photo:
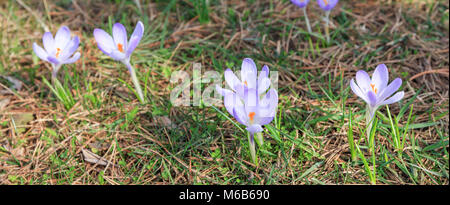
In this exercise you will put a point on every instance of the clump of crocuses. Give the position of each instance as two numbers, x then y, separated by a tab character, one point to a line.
120	48
250	100
59	50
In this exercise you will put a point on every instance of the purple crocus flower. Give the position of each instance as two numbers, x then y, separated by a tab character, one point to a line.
300	3
249	80
117	46
120	49
375	91
327	5
249	101
58	50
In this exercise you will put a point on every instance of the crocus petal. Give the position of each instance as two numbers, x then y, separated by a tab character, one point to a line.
355	88
240	90
135	37
363	80
266	120
248	66
263	85
70	48
104	41
62	37
264	73
231	78
251	100
222	91
120	36
40	52
380	77
74	58
271	98
249	73
397	97
254	128
372	98
268	106
230	101
49	42
53	60
390	89
239	115
300	3
117	55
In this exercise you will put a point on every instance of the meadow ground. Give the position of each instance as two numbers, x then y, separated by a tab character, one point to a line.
44	140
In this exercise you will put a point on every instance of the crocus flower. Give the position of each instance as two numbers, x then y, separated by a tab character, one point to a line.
302	4
327	5
119	48
249	101
58	50
375	91
250	79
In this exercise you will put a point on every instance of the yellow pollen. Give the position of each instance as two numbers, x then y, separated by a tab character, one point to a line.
245	82
326	2
58	51
373	88
120	47
251	115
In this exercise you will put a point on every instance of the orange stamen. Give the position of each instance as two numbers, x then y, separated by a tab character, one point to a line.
373	88
58	51
251	115
326	2
120	47
245	82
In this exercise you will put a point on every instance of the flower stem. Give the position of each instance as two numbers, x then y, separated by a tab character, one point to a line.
372	150
251	142
327	22
371	129
55	73
307	20
135	81
370	113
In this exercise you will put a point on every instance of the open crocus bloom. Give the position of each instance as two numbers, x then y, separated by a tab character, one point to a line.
375	91
58	50
120	49
327	5
117	46
300	3
248	101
